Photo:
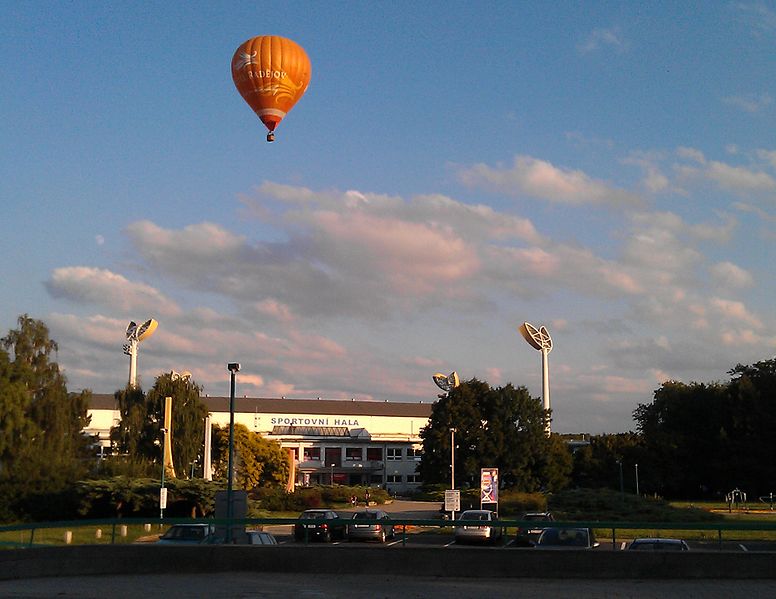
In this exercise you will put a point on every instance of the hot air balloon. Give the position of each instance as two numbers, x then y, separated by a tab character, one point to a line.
271	73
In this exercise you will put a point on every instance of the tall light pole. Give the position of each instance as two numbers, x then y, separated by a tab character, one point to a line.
332	475
447	383
233	368
540	339
452	464
136	334
637	479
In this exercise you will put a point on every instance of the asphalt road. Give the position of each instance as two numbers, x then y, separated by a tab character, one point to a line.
282	586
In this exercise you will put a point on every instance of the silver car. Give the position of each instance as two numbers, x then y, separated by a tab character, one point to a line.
370	524
475	525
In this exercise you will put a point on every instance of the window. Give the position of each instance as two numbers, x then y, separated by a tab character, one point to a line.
374	454
413	478
354	454
393	453
312	454
414	453
394	478
376	479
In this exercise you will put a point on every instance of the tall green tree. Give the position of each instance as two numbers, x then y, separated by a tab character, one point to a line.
188	420
502	427
598	465
138	436
49	449
258	462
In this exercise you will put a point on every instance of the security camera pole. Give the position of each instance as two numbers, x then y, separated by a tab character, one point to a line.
233	368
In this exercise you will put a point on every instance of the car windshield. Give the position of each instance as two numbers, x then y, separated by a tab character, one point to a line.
475	516
365	516
564	536
313	516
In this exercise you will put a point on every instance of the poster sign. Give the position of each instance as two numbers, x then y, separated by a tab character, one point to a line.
488	485
452	500
163	498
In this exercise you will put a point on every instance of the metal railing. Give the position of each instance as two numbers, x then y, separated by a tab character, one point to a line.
131	530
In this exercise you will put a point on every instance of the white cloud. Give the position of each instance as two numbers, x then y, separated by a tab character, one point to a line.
603	38
82	284
728	274
540	179
749	102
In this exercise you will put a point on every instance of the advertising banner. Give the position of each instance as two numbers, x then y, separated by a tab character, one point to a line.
488	485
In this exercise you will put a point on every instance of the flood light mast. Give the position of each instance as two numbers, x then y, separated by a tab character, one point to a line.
540	339
136	334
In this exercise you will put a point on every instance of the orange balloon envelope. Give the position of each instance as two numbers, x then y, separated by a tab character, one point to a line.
271	73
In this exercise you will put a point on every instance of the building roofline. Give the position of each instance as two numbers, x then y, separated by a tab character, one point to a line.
264	405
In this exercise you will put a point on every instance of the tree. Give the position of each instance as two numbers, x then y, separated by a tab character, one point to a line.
502	427
598	465
138	436
188	420
258	462
46	422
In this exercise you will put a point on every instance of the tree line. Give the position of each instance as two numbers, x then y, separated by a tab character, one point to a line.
43	449
690	441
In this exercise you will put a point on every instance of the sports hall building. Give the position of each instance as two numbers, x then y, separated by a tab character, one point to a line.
346	442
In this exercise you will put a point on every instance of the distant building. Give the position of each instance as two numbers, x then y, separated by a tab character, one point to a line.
347	442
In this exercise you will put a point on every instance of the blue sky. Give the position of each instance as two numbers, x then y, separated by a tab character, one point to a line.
605	169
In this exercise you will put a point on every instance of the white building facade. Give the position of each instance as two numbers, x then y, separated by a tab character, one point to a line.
344	442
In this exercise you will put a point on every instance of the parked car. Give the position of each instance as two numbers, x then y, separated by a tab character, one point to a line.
370	524
528	535
326	527
658	544
566	538
187	534
477	527
260	537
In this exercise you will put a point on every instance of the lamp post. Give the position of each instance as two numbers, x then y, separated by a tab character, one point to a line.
637	479
332	475
233	368
452	464
622	485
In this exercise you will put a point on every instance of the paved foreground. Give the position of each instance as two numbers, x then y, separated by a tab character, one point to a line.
325	586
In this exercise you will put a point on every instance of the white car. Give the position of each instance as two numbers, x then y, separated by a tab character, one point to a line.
475	525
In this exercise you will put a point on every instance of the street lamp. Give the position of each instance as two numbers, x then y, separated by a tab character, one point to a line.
637	479
622	485
452	464
332	475
233	368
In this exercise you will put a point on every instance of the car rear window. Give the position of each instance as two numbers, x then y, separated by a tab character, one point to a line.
313	515
365	516
536	518
475	516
